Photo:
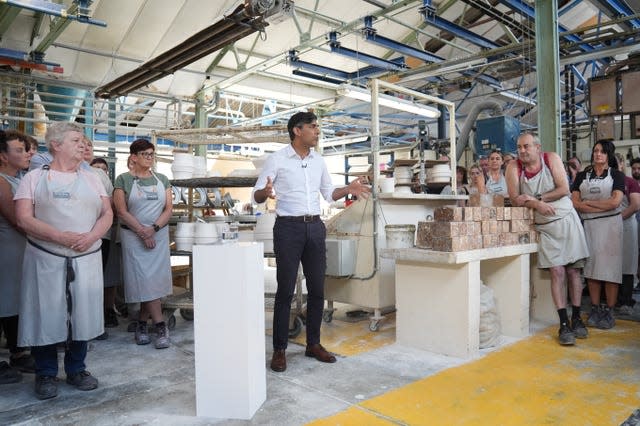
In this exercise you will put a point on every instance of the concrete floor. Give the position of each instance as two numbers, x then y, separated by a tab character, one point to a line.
142	385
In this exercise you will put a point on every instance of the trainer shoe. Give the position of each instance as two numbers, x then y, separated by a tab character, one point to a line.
46	387
606	319
578	328
142	334
566	336
162	337
594	316
625	310
82	380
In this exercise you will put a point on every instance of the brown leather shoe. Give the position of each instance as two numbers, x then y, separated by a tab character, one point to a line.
278	361
318	352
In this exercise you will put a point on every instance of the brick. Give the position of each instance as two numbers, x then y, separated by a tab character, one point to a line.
424	236
448	214
474	200
477	214
527	213
507	213
475	242
468	214
533	236
507	239
451	243
499	213
523	237
448	229
489	227
504	226
520	225
474	228
488	213
517	213
490	241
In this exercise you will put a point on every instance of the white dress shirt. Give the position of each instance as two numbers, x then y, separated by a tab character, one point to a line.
297	183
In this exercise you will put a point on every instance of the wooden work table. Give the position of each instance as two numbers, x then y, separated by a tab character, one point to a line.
438	295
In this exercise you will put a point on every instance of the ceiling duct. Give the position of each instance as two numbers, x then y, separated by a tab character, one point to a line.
247	18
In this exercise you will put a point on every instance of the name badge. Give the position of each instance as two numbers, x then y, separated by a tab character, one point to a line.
151	195
61	195
594	190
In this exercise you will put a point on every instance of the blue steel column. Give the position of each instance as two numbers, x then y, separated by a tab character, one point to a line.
548	72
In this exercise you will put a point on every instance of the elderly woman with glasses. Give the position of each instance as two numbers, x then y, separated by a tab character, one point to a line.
143	202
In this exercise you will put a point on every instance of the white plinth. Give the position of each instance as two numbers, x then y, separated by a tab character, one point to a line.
228	302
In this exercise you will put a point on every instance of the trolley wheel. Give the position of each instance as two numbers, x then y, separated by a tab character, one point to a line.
327	315
297	327
374	325
187	314
171	322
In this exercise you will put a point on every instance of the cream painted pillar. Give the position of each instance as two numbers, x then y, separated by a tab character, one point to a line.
438	307
228	303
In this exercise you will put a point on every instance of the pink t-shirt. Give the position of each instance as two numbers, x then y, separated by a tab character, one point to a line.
28	184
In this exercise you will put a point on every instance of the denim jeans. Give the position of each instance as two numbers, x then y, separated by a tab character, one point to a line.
46	358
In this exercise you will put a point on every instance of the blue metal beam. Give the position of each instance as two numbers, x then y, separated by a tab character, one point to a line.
430	17
320	71
396	64
371	35
620	8
56	9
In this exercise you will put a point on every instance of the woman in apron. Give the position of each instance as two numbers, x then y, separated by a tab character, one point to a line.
630	205
64	211
14	157
496	183
143	201
597	196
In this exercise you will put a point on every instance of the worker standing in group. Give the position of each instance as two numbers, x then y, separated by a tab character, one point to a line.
296	176
538	180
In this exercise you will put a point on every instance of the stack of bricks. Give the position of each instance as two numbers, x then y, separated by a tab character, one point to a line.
470	228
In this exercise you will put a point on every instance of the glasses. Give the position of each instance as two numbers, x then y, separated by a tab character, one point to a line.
146	154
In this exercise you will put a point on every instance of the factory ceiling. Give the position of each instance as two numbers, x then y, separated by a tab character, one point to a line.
247	59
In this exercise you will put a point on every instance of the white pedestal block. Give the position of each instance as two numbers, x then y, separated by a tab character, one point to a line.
228	302
543	308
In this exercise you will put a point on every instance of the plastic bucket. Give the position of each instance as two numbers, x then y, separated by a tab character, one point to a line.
400	236
184	244
186	230
206	230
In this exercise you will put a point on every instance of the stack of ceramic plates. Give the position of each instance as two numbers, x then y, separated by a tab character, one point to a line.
440	173
403	174
199	166
182	167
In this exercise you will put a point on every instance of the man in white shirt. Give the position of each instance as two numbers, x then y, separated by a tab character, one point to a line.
296	176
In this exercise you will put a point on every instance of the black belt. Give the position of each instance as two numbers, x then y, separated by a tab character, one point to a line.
601	217
69	278
123	226
307	218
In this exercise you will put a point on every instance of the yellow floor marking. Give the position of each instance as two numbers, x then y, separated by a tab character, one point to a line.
532	382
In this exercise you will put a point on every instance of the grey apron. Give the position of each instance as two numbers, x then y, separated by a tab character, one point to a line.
12	243
147	272
497	187
629	241
43	299
562	239
603	232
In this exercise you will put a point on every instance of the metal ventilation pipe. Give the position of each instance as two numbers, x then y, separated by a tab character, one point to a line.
463	139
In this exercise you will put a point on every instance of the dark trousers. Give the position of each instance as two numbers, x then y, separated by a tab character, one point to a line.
10	327
46	358
293	243
625	292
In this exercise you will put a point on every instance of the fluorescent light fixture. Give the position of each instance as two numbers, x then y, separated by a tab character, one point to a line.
598	54
354	92
517	97
346	140
437	71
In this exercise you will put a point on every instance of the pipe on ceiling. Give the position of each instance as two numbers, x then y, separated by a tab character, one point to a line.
463	138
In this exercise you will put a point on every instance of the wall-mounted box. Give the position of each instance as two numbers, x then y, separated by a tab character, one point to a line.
630	101
603	96
605	127
497	133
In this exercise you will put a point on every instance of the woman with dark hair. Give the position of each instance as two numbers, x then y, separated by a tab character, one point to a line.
143	202
496	183
100	163
597	196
